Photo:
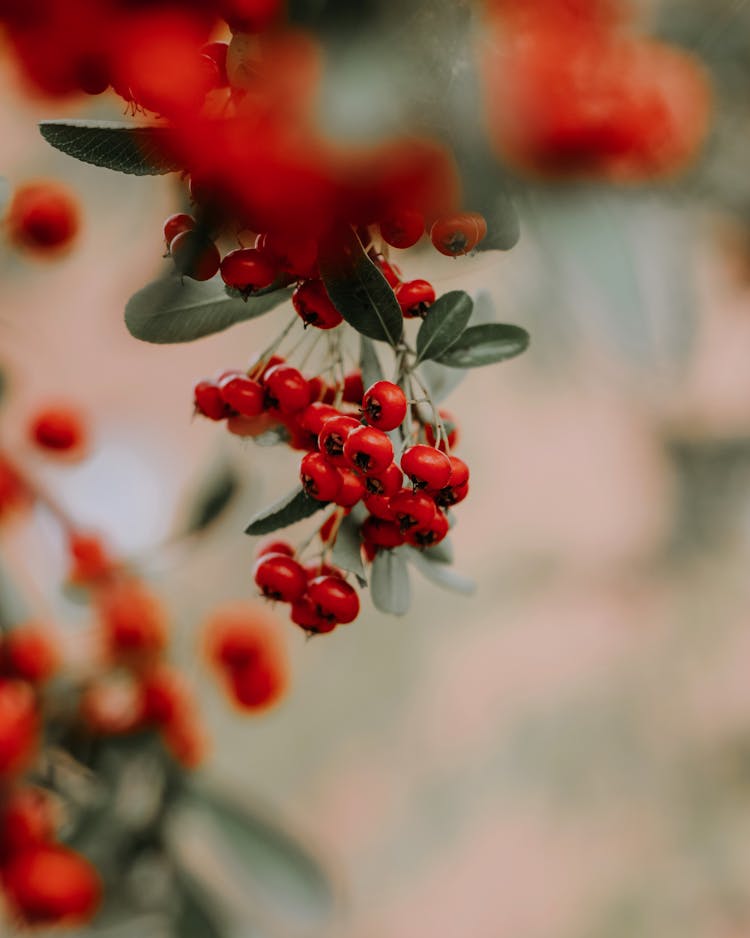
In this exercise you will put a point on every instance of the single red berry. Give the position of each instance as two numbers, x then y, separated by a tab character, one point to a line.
287	389
19	726
320	478
387	482
451	495
449	425
43	216
58	429
247	269
334	599
27	819
458	234
334	435
295	256
319	390
403	229
176	224
280	577
195	255
133	620
49	884
314	306
352	488
432	533
304	613
274	546
91	560
390	271
369	450
415	298
217	51
412	509
354	389
313	417
243	395
165	695
260	368
30	653
209	401
426	466
384	405
385	535
380	506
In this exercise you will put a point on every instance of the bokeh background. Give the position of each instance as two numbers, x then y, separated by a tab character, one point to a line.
567	753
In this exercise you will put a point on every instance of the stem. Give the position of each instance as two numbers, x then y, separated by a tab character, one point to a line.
440	432
268	352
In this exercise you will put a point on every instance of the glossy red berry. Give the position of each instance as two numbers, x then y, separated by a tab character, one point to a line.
49	884
415	298
43	216
385	535
387	482
287	389
458	234
384	405
334	599
313	417
247	269
209	401
369	450
195	255
380	506
451	495
58	429
403	229
352	488
176	224
304	613
412	509
314	306
432	533
280	577
320	478
333	436
243	395
426	467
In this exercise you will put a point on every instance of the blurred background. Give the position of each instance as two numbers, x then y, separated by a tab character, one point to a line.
565	754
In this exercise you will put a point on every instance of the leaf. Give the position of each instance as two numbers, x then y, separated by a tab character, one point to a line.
447	318
292	507
369	364
260	874
177	310
138	151
360	292
485	345
211	501
347	551
439	572
197	916
389	583
439	553
503	223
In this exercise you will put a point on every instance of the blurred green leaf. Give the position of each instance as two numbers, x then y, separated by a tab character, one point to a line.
292	507
180	310
138	151
213	498
438	571
389	583
446	319
347	551
485	345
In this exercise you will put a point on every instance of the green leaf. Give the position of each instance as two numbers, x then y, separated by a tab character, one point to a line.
360	292
389	583
138	151
177	310
485	345
369	364
197	915
447	318
292	507
347	551
438	572
439	553
216	494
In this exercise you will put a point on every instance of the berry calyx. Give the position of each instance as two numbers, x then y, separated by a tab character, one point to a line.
333	436
369	450
412	509
429	534
387	482
320	478
334	599
426	467
314	307
280	577
415	297
384	405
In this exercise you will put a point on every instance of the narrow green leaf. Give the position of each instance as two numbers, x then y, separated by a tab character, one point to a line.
439	573
447	318
389	583
485	345
369	364
292	507
213	498
181	310
138	151
440	553
347	551
360	292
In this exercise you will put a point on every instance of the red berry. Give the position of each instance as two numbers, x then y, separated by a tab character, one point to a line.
260	369
384	405
313	417
195	255
369	450
426	466
30	654
334	599
415	298
314	306
412	509
305	614
176	224
391	273
320	478
27	819
166	696
318	568
247	269
334	435
432	533
43	216
50	884
295	256
387	482
243	395
458	234
287	389
403	229
59	429
385	535
280	577
380	506
451	495
91	561
19	726
209	401
270	546
133	620
353	388
352	488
